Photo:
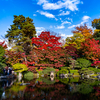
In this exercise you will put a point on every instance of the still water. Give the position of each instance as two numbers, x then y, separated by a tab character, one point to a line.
50	89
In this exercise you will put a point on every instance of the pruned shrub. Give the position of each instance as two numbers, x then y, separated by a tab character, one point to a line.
83	63
18	67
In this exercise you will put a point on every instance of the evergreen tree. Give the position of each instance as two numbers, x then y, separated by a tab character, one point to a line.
21	32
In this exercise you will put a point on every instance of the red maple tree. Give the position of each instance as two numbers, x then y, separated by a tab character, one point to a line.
46	41
91	49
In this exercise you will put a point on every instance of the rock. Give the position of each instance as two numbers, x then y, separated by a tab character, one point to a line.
62	75
98	76
51	74
66	75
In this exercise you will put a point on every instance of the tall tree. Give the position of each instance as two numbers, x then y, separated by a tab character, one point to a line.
21	32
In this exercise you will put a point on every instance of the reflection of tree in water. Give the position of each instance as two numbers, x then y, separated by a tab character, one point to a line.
47	92
1	91
65	89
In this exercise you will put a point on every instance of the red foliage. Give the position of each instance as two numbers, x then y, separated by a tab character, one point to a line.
97	91
46	41
96	63
13	57
72	51
49	58
91	49
3	44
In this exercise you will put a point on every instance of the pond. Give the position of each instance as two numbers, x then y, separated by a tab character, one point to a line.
50	89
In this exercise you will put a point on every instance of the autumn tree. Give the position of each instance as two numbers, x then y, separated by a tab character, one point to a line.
91	49
48	50
21	32
13	57
84	30
75	40
46	41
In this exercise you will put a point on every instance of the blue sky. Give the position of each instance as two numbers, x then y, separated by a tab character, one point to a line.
60	16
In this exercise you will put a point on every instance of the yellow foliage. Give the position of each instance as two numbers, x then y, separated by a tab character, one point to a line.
19	67
76	39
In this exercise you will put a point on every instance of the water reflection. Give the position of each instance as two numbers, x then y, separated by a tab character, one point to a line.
4	84
50	89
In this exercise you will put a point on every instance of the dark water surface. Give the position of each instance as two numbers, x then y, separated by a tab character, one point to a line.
50	89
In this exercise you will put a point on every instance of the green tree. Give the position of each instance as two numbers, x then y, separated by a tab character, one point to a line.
21	32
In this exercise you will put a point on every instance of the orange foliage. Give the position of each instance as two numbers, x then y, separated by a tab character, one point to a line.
87	32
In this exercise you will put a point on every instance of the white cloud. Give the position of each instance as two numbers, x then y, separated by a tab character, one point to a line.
62	25
51	26
39	30
73	26
67	4
34	14
64	36
64	13
70	19
69	35
85	19
49	15
42	1
61	19
66	22
81	2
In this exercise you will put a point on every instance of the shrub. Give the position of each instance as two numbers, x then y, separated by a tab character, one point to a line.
48	70
18	67
84	63
73	63
86	71
94	69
